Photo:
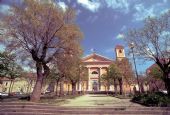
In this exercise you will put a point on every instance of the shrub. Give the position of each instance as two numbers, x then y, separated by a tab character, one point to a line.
152	99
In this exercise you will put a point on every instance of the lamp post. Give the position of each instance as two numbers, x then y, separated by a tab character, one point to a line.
131	45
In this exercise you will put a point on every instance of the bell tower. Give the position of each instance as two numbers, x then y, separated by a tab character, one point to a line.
120	52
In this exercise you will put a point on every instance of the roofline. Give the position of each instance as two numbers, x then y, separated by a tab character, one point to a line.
98	55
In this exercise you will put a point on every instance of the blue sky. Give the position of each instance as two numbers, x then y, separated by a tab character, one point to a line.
104	22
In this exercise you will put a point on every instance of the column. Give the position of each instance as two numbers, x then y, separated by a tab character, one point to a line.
80	89
89	85
100	73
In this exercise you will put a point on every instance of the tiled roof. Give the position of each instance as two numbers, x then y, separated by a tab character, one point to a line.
94	55
119	47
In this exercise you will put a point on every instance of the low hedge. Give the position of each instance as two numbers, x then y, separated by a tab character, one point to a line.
152	99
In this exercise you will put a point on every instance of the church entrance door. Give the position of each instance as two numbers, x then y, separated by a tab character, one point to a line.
95	86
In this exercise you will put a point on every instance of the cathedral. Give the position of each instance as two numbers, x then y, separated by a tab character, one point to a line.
97	65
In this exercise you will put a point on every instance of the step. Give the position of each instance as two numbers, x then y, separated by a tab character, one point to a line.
31	113
94	111
82	108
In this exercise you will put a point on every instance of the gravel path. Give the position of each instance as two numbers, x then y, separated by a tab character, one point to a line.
99	101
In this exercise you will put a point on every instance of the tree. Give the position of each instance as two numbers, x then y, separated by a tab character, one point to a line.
112	75
154	78
106	81
156	72
41	30
54	78
115	74
4	58
127	73
83	79
152	42
73	72
9	68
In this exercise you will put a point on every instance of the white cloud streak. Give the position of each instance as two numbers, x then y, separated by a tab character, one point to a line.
90	5
142	12
62	5
122	5
4	9
120	36
95	5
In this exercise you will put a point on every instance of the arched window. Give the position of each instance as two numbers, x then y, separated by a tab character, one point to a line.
94	72
120	51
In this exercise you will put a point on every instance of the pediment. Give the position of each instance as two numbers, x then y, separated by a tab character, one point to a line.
96	58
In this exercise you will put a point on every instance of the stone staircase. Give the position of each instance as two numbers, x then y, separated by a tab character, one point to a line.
12	108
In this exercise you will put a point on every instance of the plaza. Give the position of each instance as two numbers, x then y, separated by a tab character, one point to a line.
90	104
84	57
99	100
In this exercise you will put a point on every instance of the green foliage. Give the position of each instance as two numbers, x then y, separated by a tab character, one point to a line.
83	73
152	99
105	77
54	75
126	70
156	72
3	64
8	67
114	72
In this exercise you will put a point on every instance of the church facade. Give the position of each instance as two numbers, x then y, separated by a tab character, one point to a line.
97	65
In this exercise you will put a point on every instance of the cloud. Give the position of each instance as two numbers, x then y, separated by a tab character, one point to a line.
142	12
90	5
62	5
165	11
120	36
4	8
95	5
122	5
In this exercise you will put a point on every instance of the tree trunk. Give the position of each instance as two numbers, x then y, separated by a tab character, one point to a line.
35	97
121	86
157	88
61	88
52	87
130	90
31	84
108	86
82	88
56	89
10	86
87	85
28	87
167	82
73	88
168	86
166	74
115	87
68	89
78	86
142	87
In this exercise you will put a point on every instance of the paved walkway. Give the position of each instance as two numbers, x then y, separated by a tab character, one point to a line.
99	101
